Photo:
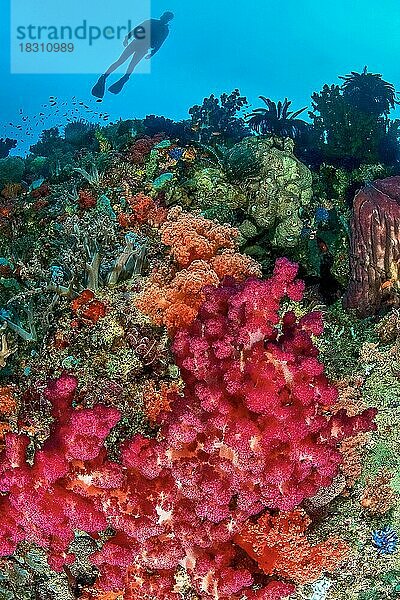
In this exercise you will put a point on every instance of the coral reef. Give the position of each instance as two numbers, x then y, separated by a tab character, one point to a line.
204	252
180	416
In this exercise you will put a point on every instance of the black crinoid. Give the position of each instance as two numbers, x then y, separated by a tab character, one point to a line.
369	92
79	133
276	119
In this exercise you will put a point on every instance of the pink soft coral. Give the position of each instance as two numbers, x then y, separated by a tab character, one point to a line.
252	432
261	394
40	505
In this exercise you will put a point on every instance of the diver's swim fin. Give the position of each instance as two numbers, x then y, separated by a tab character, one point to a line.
116	87
100	87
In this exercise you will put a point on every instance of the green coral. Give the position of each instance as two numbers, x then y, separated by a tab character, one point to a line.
277	186
11	169
264	184
207	189
245	159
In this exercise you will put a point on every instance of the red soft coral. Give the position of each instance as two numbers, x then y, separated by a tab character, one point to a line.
88	308
86	199
141	148
42	504
144	210
251	432
255	377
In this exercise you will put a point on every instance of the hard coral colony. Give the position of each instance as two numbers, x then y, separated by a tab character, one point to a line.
181	415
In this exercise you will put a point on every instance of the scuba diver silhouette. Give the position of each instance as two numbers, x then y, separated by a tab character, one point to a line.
155	33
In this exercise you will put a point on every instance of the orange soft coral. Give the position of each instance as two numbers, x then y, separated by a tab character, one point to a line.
195	238
205	253
378	496
176	303
158	401
352	450
8	407
236	265
8	403
279	546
